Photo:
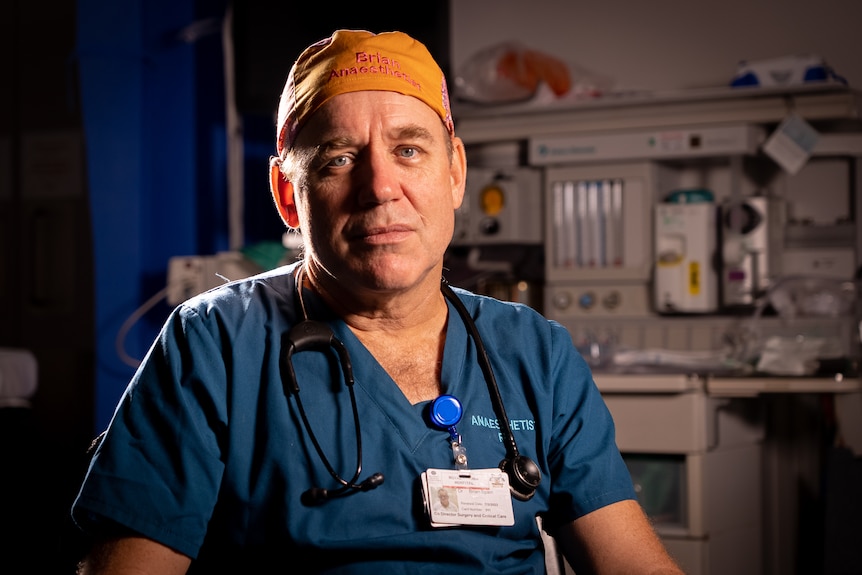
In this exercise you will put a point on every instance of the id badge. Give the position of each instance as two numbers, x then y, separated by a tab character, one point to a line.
467	497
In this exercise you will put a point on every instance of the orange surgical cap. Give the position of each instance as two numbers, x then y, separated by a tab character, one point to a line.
354	60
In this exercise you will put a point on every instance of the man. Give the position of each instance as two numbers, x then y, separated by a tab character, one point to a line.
302	417
444	503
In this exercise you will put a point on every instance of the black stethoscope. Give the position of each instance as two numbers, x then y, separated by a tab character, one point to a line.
308	335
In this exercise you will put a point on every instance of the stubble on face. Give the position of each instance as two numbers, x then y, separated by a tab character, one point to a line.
376	208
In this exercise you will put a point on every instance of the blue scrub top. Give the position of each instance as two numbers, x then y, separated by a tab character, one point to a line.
207	452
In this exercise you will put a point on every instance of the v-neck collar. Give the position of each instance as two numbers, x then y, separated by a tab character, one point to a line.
375	384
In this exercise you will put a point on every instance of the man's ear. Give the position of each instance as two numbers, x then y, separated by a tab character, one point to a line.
458	171
282	193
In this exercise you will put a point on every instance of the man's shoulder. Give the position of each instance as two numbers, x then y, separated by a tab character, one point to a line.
491	307
263	293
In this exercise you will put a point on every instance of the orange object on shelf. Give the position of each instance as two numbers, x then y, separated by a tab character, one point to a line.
528	67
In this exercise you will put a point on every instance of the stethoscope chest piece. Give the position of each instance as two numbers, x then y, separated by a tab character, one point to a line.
524	476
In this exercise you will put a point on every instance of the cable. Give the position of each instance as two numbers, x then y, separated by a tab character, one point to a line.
119	342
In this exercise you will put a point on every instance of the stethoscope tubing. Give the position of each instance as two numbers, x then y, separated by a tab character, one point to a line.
310	335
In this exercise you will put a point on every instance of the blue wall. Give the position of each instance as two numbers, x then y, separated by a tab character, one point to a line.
152	106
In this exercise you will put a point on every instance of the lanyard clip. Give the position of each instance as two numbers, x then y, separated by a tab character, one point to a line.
459	453
446	411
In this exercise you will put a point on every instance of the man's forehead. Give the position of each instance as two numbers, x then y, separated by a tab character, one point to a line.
355	114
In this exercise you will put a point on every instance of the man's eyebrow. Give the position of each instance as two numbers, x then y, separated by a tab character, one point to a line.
408	132
335	142
412	132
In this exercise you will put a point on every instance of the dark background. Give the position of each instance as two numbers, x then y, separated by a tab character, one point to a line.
135	90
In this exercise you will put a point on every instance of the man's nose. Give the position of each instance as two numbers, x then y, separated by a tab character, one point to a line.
379	180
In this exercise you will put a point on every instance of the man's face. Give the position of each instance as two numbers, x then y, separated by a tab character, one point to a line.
376	208
444	498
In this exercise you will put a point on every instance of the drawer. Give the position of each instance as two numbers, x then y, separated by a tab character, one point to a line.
700	494
682	422
660	482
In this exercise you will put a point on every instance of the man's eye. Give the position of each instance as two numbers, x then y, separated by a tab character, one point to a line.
338	162
408	152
